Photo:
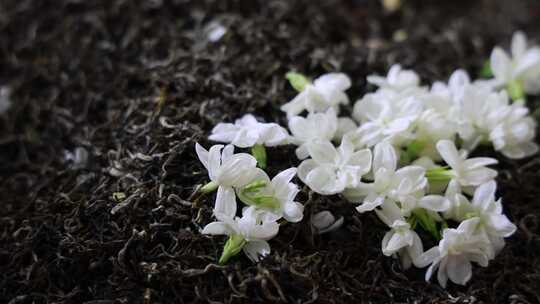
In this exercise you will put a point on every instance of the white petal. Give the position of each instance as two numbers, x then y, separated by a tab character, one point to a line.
435	203
502	225
500	64
449	153
214	161
202	154
477	162
293	212
459	270
428	257
442	275
384	156
263	232
484	194
323	180
216	228
519	44
256	249
225	202
371	202
282	179
322	151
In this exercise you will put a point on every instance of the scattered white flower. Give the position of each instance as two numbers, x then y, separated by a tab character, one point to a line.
481	111
248	233
386	117
401	239
226	170
275	196
514	136
396	80
247	132
520	68
484	206
468	172
325	221
316	126
327	91
405	185
331	170
455	252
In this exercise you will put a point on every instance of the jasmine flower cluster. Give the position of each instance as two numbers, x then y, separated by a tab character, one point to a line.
405	154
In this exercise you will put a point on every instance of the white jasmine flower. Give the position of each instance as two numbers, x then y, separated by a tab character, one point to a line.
396	80
226	170
248	233
455	252
386	117
517	68
401	239
514	136
325	221
316	126
405	185
481	111
331	170
275	196
431	127
327	91
247	132
483	206
468	172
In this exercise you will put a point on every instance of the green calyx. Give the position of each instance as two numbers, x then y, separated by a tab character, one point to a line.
297	81
259	152
515	89
252	195
440	174
412	151
486	71
428	223
232	247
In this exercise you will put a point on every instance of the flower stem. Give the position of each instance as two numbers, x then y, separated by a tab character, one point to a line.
259	152
210	187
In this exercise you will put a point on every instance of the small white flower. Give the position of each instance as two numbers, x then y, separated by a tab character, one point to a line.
514	136
468	172
275	196
316	126
327	91
396	80
247	132
405	185
481	111
522	65
331	170
386	117
401	239
249	232
455	252
226	170
484	206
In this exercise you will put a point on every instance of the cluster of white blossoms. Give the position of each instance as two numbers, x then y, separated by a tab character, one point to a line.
403	154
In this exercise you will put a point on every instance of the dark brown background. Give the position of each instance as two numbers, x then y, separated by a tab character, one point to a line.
102	75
